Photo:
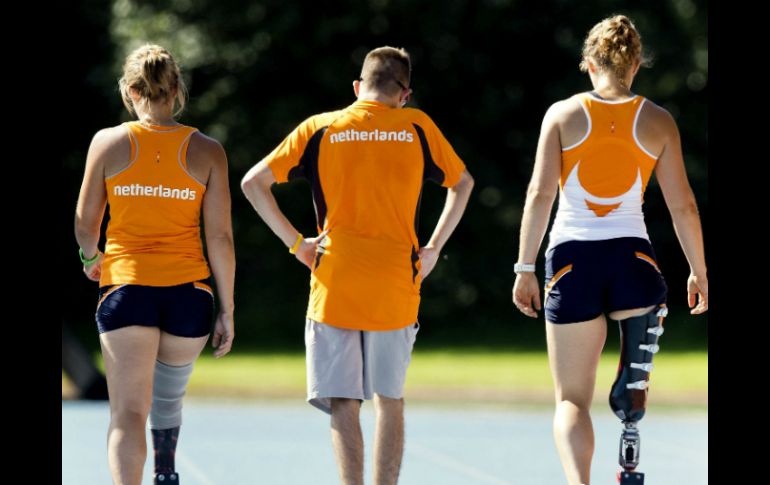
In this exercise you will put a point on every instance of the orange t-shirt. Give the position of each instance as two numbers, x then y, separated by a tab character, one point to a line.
153	236
366	165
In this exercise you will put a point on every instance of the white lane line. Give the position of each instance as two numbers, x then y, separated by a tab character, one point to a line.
479	476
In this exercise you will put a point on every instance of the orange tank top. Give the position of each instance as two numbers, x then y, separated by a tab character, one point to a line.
604	175
153	235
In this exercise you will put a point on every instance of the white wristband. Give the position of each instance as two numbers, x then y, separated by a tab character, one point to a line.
523	268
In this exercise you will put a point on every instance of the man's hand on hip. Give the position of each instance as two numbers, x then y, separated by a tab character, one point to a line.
428	258
307	249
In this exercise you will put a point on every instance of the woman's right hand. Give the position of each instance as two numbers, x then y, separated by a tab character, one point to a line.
697	286
93	271
526	294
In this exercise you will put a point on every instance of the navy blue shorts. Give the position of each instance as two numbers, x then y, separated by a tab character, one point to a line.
584	279
185	310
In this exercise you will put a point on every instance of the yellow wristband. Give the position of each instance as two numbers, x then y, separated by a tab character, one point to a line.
294	248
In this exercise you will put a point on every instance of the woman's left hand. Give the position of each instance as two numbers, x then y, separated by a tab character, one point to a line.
526	294
697	287
224	333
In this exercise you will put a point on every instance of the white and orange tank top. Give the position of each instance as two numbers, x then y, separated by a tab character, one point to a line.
604	175
153	235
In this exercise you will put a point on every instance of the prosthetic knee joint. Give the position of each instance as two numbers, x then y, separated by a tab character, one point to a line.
628	397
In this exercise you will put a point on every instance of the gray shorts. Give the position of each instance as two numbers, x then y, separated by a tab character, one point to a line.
355	364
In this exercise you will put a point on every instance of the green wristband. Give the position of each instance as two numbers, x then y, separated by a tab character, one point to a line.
85	261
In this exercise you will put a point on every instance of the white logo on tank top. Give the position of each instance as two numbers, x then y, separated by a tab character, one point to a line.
139	190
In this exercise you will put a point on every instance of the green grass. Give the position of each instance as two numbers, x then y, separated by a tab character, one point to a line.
678	378
450	375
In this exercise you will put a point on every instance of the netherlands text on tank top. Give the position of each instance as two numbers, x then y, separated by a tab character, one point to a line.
153	235
604	175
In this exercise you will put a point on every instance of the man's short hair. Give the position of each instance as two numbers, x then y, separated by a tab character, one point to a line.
384	68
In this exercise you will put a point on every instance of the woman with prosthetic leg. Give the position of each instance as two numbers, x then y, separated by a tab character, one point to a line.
155	307
598	150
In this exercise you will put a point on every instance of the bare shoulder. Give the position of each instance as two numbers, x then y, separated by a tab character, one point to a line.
110	150
205	154
565	111
110	140
569	119
205	147
658	120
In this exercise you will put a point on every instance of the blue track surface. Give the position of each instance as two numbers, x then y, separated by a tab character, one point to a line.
231	443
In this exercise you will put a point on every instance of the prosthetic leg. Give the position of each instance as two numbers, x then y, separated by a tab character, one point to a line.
628	397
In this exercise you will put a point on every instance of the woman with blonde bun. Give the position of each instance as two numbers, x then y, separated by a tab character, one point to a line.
598	150
155	308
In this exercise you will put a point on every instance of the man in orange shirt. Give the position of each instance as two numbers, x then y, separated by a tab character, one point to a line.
366	165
